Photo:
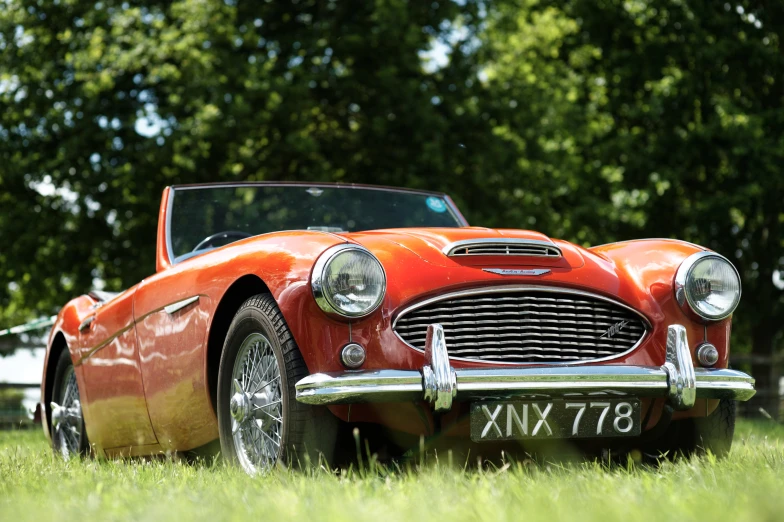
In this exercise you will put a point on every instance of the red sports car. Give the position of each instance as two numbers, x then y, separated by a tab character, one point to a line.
281	314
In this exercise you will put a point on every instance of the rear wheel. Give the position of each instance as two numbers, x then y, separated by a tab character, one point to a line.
259	419
68	434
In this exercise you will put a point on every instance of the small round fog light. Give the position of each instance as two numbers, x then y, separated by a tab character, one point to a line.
707	354
353	355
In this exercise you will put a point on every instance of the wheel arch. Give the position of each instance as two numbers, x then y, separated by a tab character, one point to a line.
240	290
58	345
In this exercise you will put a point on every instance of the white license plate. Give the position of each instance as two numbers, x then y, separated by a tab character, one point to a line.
556	419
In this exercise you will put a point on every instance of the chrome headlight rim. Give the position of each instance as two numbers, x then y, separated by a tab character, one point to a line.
684	299
317	281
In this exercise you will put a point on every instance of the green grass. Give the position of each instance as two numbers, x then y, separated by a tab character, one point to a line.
749	485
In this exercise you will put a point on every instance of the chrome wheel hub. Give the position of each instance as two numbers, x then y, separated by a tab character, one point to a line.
256	405
67	417
240	407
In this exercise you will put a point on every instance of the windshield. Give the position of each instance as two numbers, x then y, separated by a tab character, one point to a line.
202	218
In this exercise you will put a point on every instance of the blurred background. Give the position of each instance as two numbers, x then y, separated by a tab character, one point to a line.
588	120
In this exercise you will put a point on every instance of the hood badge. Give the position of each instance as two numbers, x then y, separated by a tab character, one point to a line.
517	272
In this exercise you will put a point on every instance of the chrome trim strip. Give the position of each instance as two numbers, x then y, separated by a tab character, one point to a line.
451	247
643	381
179	305
407	385
517	271
682	275
724	384
524	288
167	227
302	184
359	387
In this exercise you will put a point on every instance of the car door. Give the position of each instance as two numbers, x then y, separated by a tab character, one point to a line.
171	321
112	374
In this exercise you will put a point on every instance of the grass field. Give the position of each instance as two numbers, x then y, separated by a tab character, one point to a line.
749	485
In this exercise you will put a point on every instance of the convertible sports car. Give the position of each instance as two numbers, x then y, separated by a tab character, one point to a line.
281	314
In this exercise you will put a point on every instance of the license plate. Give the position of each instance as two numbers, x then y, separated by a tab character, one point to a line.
554	419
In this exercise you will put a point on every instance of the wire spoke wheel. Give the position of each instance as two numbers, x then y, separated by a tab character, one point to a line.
260	422
67	417
256	405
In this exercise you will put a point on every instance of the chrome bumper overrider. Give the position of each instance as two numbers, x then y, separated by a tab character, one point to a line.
439	384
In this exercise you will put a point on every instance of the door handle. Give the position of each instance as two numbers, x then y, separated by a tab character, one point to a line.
86	323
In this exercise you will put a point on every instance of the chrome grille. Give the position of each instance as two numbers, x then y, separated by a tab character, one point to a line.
525	326
502	247
506	250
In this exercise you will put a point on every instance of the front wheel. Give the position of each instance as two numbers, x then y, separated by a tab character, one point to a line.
700	435
259	419
715	432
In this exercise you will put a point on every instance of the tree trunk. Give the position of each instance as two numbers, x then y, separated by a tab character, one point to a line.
764	372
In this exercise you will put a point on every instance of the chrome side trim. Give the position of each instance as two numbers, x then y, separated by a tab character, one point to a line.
523	288
179	305
681	378
408	386
450	249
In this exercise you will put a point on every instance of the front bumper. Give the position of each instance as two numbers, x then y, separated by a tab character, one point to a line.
439	384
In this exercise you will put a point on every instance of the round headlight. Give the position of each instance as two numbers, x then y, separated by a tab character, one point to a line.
348	280
709	285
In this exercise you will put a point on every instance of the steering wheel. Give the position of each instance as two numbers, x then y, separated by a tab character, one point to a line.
226	234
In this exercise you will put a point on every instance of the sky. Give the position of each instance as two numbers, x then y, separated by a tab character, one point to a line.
24	366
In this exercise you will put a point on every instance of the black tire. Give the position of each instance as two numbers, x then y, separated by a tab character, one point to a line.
715	432
700	435
62	371
308	432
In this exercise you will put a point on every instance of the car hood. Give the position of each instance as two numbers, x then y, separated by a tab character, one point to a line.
430	245
638	273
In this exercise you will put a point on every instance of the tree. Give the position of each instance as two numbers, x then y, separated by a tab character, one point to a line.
105	103
673	112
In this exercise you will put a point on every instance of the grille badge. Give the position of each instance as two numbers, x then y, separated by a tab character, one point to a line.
614	329
515	271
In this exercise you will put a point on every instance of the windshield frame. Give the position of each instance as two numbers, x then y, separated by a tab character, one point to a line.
346	186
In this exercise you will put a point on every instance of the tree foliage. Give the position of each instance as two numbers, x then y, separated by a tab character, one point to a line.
670	116
108	102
